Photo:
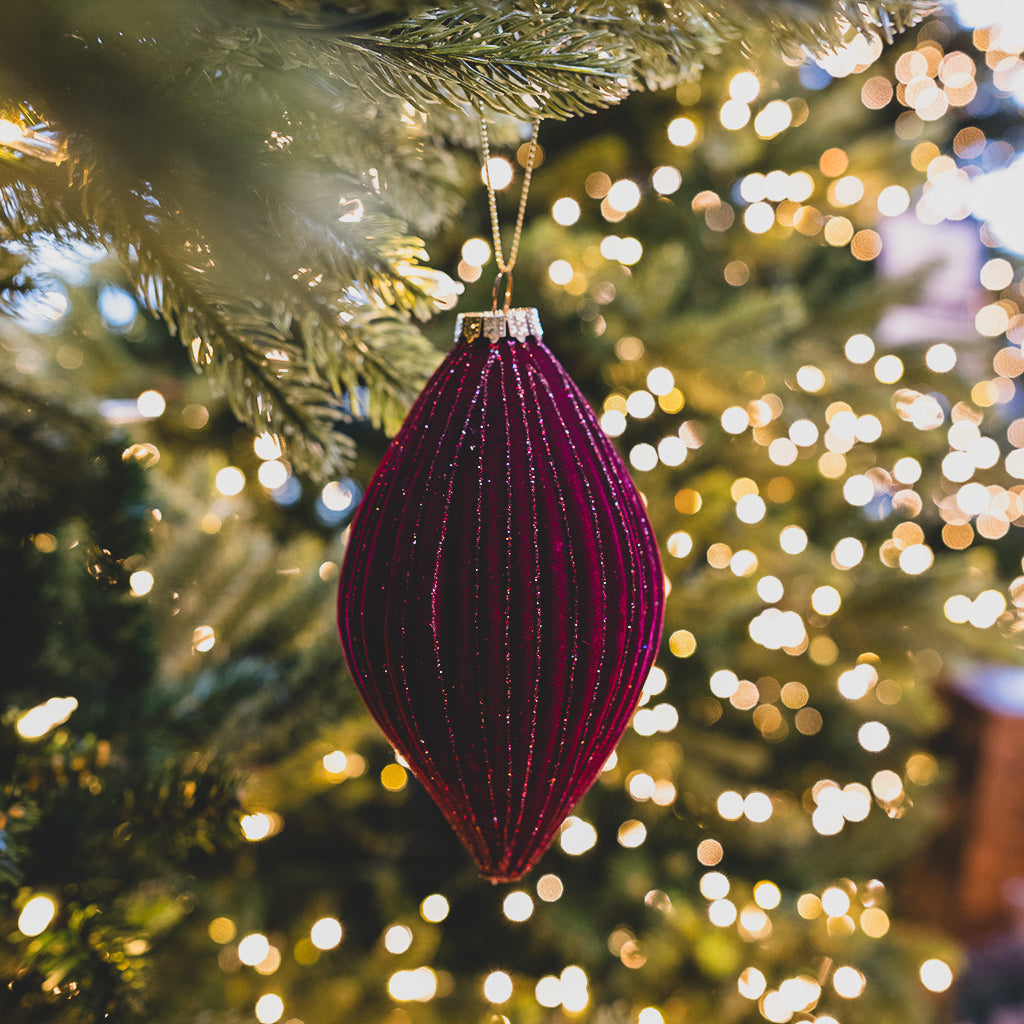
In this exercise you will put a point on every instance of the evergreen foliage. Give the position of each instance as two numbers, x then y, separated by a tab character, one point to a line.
213	699
260	168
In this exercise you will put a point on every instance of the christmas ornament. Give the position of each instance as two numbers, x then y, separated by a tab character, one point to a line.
501	598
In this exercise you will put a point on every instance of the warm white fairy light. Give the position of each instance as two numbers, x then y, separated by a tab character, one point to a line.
253	949
517	905
774	118
751	508
858	490
887	786
650	1015
778	630
613	423
629	251
859	349
418	985
273	474
434	908
857	681
476	251
565	211
643	457
735	420
36	915
666	180
893	200
151	404
744	87
682	131
734	114
624	195
229	481
631	833
996	274
783	452
714	885
856	803
848	982
497	171
835	901
269	1008
825	600
257	826
757	807
724	683
560	272
873	737
39	720
577	836
936	975
548	992
847	553
326	933
770	589
759	218
793	540
767	895
752	983
398	938
730	805
811	379
204	639
889	369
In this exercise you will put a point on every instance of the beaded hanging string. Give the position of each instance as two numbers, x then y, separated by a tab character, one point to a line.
505	266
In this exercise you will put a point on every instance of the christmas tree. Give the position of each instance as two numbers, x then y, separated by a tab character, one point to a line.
200	821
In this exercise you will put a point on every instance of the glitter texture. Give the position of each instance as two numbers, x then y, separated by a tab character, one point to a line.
501	599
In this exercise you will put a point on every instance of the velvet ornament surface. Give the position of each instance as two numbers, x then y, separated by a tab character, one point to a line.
501	597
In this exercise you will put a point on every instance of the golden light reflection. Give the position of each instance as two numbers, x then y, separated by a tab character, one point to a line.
398	939
38	721
222	930
230	481
326	933
710	852
253	949
36	915
550	888
577	836
269	1008
394	777
418	985
752	983
260	825
848	982
874	922
936	975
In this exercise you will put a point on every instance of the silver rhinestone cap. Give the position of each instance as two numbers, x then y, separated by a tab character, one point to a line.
517	323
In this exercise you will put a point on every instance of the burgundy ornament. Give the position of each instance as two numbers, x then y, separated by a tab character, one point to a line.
501	598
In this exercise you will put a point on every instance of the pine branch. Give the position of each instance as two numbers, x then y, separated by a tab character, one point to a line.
255	163
284	360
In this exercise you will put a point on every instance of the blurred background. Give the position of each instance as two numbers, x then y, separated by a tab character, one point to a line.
793	295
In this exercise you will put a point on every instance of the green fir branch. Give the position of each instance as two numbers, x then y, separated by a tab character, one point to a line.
256	164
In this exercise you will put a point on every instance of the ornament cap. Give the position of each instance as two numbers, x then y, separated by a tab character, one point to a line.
520	323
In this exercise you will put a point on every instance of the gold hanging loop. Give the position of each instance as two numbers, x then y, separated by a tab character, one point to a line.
505	268
496	291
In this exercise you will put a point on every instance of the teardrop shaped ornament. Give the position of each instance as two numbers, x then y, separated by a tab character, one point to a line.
501	598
